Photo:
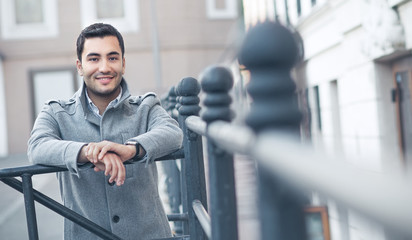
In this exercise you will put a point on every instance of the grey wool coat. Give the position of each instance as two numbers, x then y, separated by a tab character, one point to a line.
131	211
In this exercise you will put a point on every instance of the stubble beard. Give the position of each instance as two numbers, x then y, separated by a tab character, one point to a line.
106	93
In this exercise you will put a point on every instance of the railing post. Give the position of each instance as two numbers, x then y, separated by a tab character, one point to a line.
192	166
29	205
171	170
216	83
269	53
171	101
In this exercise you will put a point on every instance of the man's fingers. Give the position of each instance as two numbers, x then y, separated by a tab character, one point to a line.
95	153
108	167
110	159
121	173
86	150
114	172
102	153
90	152
104	150
112	165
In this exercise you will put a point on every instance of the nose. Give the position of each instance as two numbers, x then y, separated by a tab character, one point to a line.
104	66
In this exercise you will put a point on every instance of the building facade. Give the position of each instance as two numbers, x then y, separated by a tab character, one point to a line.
165	41
355	82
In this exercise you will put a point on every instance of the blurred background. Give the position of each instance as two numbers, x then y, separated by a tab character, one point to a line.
353	76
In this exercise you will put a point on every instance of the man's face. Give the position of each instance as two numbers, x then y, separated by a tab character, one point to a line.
102	66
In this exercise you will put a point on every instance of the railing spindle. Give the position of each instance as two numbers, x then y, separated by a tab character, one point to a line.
216	83
171	170
269	53
29	205
192	167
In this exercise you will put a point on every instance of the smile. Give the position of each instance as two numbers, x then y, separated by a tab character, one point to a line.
104	79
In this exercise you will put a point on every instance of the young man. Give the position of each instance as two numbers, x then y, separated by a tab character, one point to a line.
104	125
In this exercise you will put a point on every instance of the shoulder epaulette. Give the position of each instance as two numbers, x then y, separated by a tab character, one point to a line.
138	99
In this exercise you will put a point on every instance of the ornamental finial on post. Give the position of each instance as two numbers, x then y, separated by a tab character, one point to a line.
216	83
269	52
187	96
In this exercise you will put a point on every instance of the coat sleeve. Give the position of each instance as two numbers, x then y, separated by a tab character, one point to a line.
45	145
163	135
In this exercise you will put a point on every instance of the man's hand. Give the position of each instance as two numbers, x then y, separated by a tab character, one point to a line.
96	151
112	165
108	157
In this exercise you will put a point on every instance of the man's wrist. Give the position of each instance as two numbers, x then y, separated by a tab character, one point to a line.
137	146
81	157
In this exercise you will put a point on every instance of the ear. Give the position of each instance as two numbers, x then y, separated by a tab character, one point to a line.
79	67
124	65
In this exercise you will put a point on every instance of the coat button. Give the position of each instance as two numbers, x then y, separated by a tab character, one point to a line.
116	219
111	183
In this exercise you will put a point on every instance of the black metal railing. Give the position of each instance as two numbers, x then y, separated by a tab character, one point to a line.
8	176
287	169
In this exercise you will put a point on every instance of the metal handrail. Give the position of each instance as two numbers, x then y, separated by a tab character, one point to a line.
203	217
383	197
29	169
7	175
196	124
35	169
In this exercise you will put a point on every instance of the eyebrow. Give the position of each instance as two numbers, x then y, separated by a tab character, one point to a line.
93	55
113	53
98	55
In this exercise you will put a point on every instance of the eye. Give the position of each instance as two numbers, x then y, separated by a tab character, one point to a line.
93	59
113	58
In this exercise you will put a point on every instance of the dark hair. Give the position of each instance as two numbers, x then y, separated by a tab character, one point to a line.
97	30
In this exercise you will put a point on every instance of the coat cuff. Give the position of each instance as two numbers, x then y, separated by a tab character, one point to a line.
70	156
147	145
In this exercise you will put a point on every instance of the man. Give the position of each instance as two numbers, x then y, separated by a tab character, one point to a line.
104	125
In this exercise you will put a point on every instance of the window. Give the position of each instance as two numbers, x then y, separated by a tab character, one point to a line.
122	14
51	84
317	223
28	11
26	19
405	115
298	7
109	9
221	9
317	108
335	115
313	2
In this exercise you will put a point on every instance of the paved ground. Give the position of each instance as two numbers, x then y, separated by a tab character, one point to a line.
12	214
